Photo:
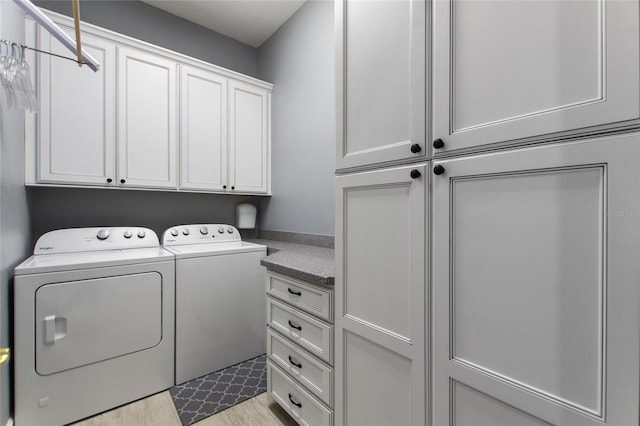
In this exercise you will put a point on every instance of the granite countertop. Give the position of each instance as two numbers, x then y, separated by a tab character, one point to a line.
308	263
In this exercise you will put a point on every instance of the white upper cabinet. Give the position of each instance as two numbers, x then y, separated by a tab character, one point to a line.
146	120
203	119
509	71
77	114
381	81
248	138
536	290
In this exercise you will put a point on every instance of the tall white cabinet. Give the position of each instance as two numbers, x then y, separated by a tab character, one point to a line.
381	292
533	248
528	306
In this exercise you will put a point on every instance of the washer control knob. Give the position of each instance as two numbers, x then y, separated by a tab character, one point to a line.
103	234
220	230
142	234
185	231
230	230
204	230
127	234
174	232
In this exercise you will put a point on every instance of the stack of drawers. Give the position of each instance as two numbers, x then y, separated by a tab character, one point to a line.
300	348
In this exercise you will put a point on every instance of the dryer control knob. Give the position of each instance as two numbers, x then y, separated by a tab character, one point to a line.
127	234
230	230
142	234
221	230
185	231
204	230
103	234
174	232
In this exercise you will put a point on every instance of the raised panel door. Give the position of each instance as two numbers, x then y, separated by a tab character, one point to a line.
147	118
203	129
381	297
381	78
508	72
535	286
77	114
249	138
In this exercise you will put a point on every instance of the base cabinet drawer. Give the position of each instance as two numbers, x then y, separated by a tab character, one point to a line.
308	332
311	299
314	375
299	403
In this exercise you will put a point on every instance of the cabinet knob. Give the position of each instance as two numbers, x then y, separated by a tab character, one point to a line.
415	174
438	143
109	180
122	181
224	186
233	187
415	148
438	170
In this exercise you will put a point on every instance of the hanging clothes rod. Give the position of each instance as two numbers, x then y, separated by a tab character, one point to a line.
57	32
11	43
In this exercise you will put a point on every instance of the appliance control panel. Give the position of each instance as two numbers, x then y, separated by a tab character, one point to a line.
199	234
74	240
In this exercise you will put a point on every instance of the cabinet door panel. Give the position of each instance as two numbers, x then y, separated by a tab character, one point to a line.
77	114
506	71
147	120
377	384
531	294
381	60
203	142
381	296
248	137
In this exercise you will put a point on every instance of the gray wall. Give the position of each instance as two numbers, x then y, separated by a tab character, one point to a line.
55	208
15	236
150	24
299	60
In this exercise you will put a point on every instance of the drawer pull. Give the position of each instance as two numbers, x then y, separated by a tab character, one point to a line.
296	364
297	404
297	293
293	325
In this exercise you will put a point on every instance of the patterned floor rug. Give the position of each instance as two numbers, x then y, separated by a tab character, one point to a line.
210	394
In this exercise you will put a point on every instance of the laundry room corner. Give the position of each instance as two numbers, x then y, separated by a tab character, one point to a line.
15	234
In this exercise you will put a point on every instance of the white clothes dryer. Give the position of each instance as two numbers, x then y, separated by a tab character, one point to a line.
93	323
220	298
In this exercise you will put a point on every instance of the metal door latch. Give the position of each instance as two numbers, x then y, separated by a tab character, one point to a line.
5	354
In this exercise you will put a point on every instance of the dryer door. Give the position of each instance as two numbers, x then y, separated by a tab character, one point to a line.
88	321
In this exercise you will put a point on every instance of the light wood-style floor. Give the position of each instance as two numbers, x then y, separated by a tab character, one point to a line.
158	410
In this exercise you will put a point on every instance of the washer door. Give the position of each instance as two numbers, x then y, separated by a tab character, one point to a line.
88	321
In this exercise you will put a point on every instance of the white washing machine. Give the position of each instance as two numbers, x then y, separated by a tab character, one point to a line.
93	323
220	298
